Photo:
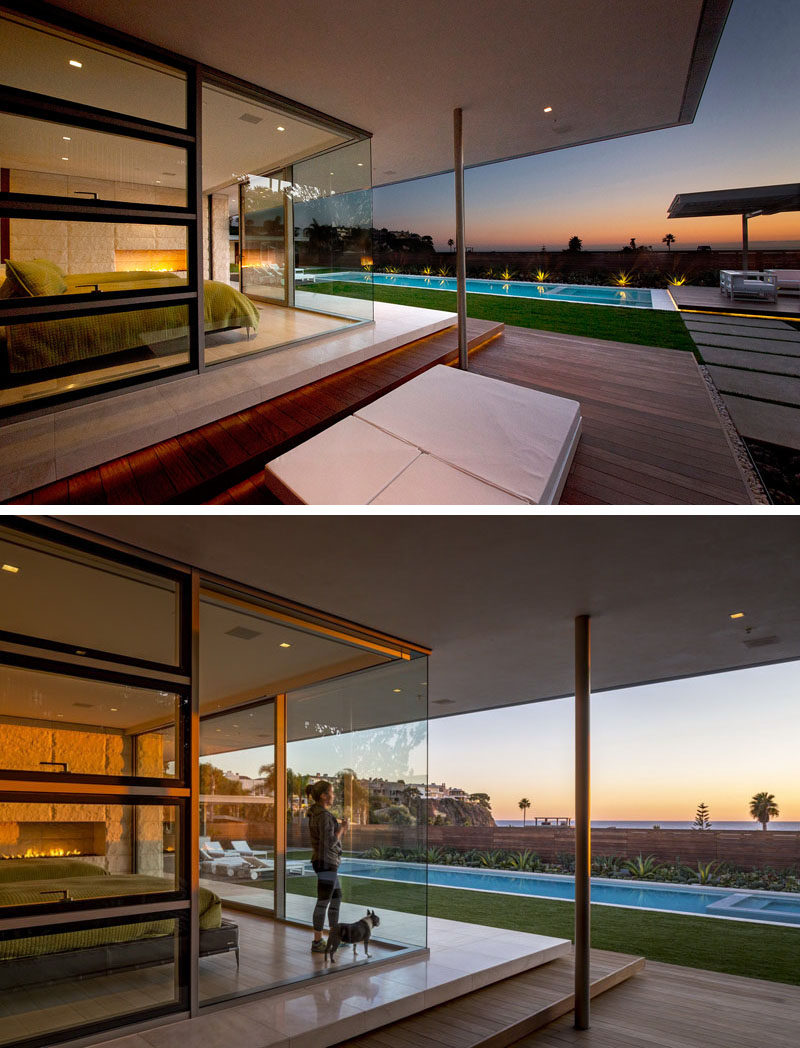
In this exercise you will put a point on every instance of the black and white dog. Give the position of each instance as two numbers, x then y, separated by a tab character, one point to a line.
352	933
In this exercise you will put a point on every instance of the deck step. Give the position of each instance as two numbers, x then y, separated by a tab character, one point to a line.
501	1014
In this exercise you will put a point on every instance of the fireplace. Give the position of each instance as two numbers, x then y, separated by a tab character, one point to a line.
62	839
150	259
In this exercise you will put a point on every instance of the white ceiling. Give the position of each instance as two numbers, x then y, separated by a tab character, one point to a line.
495	597
606	67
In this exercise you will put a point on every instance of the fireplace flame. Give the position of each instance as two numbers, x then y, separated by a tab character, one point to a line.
31	853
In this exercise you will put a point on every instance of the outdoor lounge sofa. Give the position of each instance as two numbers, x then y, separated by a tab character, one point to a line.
447	437
787	279
750	283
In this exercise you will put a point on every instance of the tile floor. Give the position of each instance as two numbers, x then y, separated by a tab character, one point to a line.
463	958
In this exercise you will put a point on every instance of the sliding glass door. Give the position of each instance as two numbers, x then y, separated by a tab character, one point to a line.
263	238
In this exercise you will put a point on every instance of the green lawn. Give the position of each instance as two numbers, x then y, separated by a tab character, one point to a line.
643	327
760	951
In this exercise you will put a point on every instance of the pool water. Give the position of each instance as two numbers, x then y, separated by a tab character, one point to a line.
638	298
677	899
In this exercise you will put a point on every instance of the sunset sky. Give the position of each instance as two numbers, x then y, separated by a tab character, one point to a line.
745	134
657	751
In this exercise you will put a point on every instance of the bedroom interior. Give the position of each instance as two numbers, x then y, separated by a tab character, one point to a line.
100	202
140	759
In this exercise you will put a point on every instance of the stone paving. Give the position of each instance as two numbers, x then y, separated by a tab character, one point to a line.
755	365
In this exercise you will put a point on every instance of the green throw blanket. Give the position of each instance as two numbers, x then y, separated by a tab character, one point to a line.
45	344
109	886
46	869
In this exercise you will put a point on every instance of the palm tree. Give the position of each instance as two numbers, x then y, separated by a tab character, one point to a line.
524	804
763	808
451	243
669	240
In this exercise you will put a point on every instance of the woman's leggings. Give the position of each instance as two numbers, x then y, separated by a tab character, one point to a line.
329	897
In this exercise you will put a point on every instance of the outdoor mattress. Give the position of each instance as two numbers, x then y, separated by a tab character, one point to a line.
447	437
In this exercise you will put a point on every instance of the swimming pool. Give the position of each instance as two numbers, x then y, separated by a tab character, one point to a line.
725	903
636	298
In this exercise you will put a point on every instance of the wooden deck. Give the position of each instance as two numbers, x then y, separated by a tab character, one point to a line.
668	1006
709	298
500	1014
651	435
650	432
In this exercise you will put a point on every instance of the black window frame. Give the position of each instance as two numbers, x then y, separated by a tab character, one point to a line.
18	205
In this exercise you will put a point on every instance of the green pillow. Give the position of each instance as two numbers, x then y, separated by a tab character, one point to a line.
39	277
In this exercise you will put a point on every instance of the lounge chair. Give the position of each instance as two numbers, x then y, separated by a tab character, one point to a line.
263	860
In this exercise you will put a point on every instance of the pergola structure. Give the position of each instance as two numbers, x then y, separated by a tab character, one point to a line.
749	203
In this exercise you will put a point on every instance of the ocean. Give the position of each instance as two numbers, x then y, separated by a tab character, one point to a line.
621	824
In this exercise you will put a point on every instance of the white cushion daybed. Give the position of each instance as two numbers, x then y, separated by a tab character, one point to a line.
447	437
748	284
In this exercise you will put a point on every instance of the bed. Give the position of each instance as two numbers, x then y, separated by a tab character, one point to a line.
96	950
66	342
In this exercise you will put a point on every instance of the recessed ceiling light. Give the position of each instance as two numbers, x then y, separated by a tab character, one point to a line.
397	690
548	109
74	62
80	651
11	567
359	164
738	615
66	138
158	181
279	128
114	709
219	729
65	158
284	644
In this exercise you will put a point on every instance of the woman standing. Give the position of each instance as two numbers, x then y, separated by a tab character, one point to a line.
326	854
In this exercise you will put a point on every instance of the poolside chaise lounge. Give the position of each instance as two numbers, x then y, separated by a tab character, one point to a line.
264	860
447	437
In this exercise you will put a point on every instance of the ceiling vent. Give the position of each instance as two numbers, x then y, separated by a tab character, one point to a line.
250	119
760	642
242	633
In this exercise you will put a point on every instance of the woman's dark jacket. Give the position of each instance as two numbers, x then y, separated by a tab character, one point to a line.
325	848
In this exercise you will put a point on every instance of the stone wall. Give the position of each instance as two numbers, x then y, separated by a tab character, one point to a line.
89	247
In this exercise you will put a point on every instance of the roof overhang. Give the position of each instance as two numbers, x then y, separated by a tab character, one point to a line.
495	597
754	200
606	67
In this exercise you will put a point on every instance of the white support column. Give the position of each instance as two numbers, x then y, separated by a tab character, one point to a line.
745	242
583	851
461	251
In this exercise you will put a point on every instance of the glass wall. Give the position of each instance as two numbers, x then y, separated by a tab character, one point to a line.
104	280
366	735
96	715
96	216
332	198
94	795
